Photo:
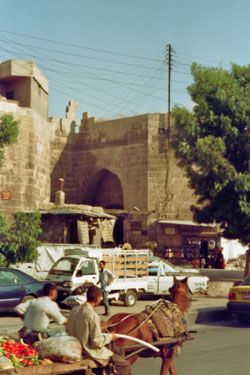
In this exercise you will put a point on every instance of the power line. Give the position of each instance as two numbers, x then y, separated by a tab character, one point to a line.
77	46
71	76
201	58
80	75
82	56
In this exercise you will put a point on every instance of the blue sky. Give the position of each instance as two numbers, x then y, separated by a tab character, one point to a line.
109	55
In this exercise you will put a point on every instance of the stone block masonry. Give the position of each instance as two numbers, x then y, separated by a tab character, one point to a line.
123	164
25	173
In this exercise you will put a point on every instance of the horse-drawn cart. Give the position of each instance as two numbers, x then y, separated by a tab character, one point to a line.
132	350
88	367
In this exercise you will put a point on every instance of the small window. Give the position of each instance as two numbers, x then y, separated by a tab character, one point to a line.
153	271
10	278
88	267
20	280
10	95
246	281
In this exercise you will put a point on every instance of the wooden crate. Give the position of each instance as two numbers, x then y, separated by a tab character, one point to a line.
127	264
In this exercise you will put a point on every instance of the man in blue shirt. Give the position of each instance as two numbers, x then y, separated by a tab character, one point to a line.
106	278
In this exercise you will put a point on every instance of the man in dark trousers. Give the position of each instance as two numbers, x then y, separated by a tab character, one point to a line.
106	278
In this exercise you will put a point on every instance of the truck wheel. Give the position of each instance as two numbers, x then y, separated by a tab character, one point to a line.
130	298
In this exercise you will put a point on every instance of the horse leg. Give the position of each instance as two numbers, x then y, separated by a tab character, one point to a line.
167	361
172	368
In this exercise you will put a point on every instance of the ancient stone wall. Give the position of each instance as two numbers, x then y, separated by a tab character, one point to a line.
62	157
168	191
123	163
25	173
117	146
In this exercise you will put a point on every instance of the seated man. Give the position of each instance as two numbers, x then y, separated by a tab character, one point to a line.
84	324
37	314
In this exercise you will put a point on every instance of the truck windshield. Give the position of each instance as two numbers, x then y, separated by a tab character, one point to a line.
64	266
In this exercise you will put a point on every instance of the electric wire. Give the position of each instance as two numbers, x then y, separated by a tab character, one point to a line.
77	46
138	84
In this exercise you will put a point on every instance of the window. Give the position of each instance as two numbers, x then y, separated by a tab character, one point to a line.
153	271
10	278
246	281
88	267
64	266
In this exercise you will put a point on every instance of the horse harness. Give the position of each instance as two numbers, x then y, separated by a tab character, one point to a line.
164	318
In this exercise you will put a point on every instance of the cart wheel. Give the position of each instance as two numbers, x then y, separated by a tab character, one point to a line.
130	298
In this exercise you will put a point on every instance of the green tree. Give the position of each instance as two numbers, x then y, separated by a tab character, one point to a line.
19	241
213	144
8	133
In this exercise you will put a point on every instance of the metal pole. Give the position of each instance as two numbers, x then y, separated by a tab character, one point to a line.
169	88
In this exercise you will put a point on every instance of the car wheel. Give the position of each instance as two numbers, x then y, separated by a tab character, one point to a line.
27	298
130	298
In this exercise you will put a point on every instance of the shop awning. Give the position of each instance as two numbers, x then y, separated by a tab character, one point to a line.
185	222
88	213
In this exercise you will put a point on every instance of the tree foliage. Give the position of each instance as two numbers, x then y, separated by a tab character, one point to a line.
19	241
213	144
8	133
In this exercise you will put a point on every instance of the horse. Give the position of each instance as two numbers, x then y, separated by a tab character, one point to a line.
135	325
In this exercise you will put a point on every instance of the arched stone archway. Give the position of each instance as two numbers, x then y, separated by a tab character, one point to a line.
104	190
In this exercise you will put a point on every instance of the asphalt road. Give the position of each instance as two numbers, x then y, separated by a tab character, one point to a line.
217	349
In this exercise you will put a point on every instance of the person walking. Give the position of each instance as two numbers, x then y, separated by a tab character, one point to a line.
106	278
84	324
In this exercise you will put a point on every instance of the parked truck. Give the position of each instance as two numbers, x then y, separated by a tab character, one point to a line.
160	279
77	268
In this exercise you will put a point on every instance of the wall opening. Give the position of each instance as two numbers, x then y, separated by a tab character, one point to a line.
105	190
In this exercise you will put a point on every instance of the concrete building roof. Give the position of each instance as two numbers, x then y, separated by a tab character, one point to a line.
12	69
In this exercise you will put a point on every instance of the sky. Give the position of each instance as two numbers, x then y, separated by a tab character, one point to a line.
111	55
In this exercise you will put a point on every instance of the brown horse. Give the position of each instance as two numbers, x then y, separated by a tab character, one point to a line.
132	325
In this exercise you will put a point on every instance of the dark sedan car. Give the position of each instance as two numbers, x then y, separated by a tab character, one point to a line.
16	286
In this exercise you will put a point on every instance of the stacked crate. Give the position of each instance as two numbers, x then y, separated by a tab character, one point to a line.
126	263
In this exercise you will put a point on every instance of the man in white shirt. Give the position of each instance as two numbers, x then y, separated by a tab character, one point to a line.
106	278
37	314
84	324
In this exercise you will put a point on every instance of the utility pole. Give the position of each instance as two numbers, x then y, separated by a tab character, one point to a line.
169	50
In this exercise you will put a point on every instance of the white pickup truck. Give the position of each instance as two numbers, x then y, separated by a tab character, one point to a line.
129	267
160	279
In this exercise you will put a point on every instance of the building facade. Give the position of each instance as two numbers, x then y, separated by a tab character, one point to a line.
124	165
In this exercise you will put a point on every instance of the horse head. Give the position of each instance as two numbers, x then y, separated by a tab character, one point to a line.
179	293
